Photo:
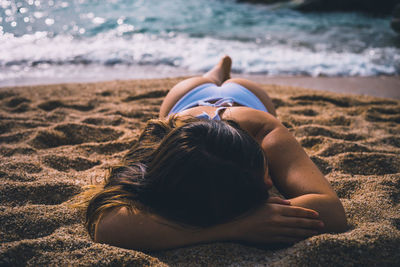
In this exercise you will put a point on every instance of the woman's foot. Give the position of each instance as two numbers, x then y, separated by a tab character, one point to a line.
220	72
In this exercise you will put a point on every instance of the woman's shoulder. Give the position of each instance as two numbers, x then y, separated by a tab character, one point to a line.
249	119
252	120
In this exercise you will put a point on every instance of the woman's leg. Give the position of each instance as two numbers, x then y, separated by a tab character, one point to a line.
217	75
257	90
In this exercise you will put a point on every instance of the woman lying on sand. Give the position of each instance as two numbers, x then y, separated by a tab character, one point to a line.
201	173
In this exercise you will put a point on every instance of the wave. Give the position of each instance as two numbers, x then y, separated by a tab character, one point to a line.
192	54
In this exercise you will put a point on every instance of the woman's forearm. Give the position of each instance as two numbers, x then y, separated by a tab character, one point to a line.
329	207
299	179
122	228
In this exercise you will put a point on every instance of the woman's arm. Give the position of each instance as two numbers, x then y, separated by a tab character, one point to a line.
293	172
275	222
297	177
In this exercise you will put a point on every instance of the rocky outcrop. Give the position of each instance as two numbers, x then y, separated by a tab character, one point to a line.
395	23
370	6
265	1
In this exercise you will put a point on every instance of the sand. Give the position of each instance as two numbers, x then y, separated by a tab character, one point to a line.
380	86
56	138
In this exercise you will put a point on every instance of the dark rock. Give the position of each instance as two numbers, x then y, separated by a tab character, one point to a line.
265	1
396	11
369	6
395	23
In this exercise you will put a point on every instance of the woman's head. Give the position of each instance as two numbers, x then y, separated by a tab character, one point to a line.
195	172
204	173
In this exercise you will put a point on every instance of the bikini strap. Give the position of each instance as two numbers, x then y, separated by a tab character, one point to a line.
216	117
223	102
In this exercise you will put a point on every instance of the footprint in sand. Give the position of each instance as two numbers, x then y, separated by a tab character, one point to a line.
9	151
338	148
346	188
50	105
311	141
53	104
390	140
113	121
308	130
17	104
72	134
151	94
15	137
20	108
62	163
138	114
21	166
305	112
106	93
323	165
376	114
389	111
6	94
279	102
396	223
17	194
392	186
7	126
336	121
369	163
15	101
107	148
33	222
323	100
17	177
381	102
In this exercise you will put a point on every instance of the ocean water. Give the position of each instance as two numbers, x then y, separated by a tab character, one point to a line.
60	40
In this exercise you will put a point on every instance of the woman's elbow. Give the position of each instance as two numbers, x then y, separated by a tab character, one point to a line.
101	233
338	220
108	229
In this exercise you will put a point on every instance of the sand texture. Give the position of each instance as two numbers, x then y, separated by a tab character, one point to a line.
56	138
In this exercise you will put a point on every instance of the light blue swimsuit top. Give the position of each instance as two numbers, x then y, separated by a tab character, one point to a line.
221	104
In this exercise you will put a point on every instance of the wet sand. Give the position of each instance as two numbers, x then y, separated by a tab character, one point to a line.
56	138
380	86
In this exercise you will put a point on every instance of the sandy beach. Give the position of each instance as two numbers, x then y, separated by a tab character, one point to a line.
54	139
380	86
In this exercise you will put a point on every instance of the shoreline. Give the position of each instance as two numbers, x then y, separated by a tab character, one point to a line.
378	86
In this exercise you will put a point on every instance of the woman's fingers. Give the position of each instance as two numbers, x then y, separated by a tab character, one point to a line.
278	200
293	211
297	217
302	223
278	223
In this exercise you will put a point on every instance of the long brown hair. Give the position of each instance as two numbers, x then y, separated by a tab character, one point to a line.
194	172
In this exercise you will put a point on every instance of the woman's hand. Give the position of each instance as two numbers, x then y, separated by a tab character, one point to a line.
276	222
